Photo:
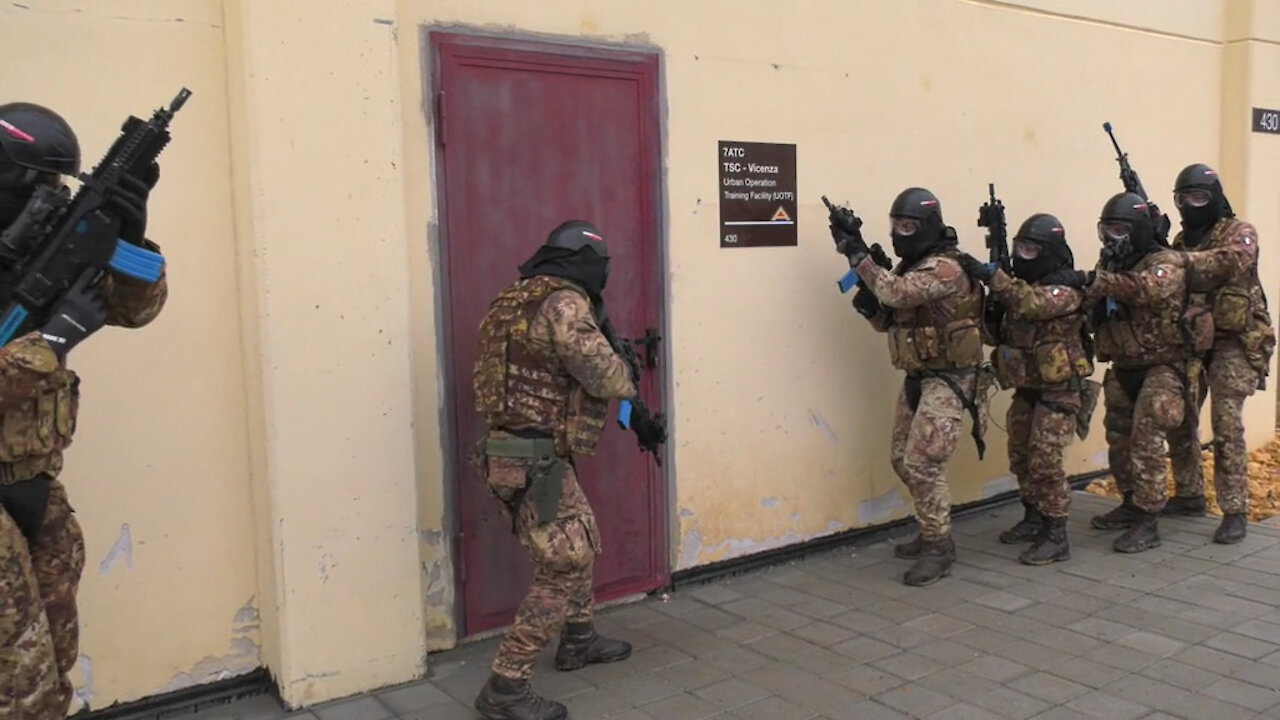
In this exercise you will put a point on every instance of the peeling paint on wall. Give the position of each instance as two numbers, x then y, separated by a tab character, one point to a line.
123	547
822	424
881	507
1008	481
769	502
244	655
82	692
686	512
438	591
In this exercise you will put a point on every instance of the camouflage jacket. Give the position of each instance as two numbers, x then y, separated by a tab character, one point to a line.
1041	341
1223	274
544	365
1144	318
40	397
930	313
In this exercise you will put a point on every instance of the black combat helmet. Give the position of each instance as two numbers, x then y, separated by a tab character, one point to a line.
574	250
917	227
1040	247
1125	228
35	140
1198	195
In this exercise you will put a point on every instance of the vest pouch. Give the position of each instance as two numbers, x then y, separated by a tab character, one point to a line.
1231	309
1010	367
964	343
905	347
1053	363
586	420
1120	340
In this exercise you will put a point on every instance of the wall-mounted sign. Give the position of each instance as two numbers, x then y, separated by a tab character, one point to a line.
1266	121
757	194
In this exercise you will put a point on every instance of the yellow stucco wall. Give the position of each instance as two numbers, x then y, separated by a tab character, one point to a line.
284	491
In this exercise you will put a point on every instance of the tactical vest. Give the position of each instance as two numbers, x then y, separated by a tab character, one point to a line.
941	335
522	386
1041	355
34	434
1239	306
1169	332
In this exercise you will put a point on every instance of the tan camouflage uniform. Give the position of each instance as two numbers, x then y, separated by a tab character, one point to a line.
1041	355
39	577
545	371
1224	277
1145	387
931	316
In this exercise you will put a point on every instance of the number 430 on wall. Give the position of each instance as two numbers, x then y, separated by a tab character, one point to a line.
1266	121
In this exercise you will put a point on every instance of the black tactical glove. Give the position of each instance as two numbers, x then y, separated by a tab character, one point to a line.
975	268
1077	279
129	202
80	313
650	430
866	302
880	257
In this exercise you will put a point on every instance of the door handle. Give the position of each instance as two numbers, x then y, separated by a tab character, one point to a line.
650	342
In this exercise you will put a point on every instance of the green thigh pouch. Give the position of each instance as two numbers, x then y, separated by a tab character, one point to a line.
546	484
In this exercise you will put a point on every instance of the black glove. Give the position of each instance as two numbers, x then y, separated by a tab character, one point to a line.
80	313
880	257
866	302
128	201
650	430
1077	279
975	268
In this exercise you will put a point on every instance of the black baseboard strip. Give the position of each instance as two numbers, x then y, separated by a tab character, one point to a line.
857	537
194	701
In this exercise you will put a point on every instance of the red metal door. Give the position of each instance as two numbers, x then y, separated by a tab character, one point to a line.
530	135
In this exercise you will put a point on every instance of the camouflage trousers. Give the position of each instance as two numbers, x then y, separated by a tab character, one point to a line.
1040	427
563	554
39	627
923	440
1138	421
1231	381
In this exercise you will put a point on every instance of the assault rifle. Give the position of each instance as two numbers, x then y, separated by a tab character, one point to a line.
991	216
1132	184
650	428
846	221
62	241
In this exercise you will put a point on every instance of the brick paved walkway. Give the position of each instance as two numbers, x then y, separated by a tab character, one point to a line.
1188	630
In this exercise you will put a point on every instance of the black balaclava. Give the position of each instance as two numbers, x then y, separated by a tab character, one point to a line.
575	251
930	237
1197	221
1138	239
1040	250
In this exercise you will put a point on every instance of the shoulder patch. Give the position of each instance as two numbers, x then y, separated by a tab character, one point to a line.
1056	291
1160	272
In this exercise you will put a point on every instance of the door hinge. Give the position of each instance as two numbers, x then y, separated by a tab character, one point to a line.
440	118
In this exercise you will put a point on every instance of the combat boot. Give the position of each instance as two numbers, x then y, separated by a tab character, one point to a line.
1050	545
1119	518
1190	506
909	549
505	699
1143	534
1028	528
934	564
580	645
1232	529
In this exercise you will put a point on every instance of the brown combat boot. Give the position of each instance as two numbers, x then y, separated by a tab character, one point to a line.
1143	534
1119	518
909	549
1050	545
936	559
1232	529
1190	506
1028	528
505	699
581	645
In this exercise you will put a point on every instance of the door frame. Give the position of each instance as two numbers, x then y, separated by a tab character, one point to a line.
432	37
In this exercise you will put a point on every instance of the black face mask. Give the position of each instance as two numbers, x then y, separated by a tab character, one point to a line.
11	204
931	237
583	267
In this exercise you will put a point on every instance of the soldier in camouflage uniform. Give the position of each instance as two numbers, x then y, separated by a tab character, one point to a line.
543	379
41	544
1153	336
1043	352
929	309
1222	265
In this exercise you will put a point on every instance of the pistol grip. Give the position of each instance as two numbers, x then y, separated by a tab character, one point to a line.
624	414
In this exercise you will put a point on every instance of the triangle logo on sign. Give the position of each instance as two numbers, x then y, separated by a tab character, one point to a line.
781	214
